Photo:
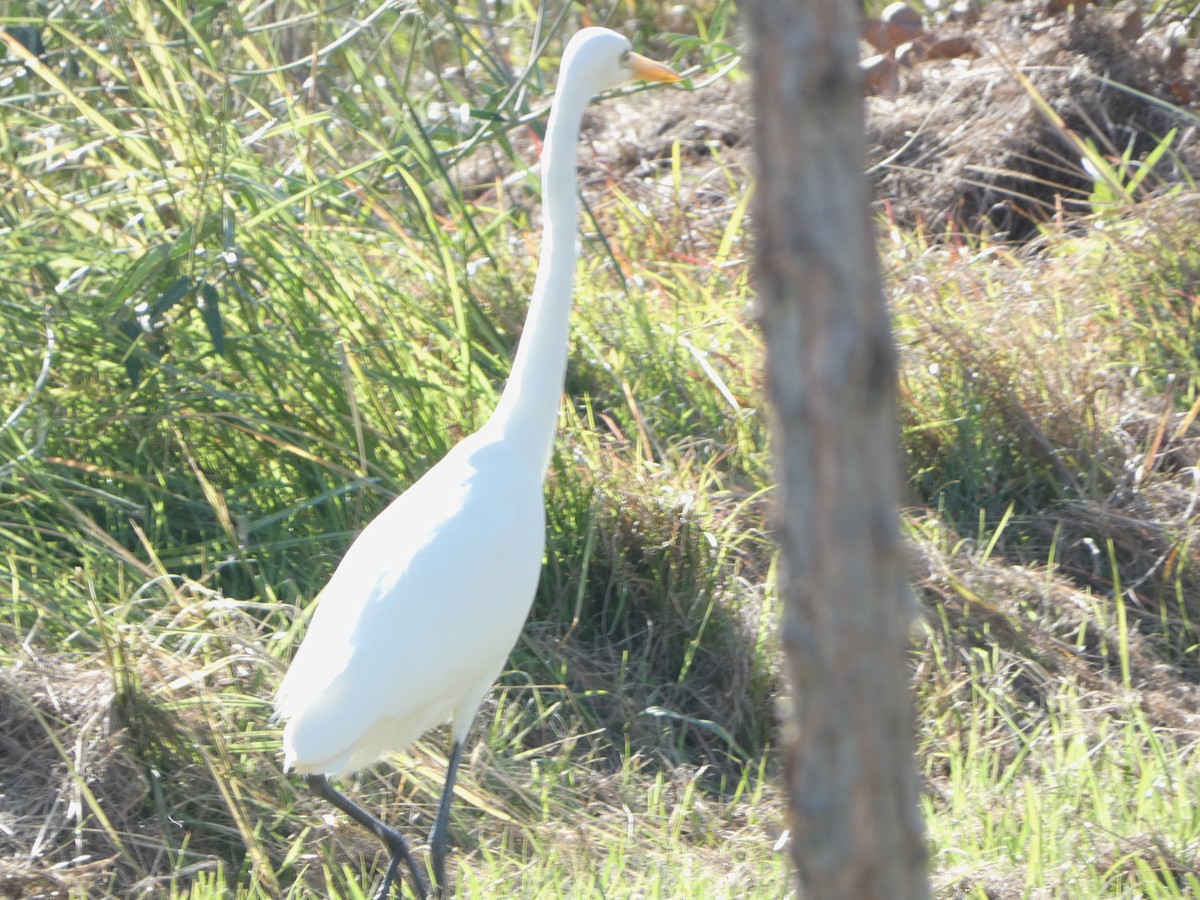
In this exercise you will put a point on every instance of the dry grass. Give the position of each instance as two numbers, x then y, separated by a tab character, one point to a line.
967	145
1049	421
1050	392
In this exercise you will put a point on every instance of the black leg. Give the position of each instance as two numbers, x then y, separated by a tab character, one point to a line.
437	837
392	839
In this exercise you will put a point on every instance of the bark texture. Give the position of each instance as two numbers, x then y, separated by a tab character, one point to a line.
831	369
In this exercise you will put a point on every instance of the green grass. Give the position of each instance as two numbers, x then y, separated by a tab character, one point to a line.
268	310
242	310
1041	782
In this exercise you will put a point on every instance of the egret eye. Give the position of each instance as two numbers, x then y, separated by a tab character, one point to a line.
625	57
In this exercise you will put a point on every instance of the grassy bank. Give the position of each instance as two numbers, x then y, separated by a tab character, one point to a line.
255	279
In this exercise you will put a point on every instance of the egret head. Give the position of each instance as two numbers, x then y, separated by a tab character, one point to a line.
604	59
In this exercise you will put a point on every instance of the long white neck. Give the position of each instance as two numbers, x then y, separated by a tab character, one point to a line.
528	409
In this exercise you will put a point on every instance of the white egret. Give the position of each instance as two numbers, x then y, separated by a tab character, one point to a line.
419	618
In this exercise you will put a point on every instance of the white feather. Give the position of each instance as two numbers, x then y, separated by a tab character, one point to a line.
418	619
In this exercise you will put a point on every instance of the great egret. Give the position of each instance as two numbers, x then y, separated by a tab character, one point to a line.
420	616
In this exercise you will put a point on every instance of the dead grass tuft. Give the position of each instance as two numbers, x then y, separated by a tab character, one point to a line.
1130	859
1049	630
72	788
985	884
123	768
1024	403
664	624
964	145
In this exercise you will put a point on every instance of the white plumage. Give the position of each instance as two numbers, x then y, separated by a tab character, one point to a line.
420	616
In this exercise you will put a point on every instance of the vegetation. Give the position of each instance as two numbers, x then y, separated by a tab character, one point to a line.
260	265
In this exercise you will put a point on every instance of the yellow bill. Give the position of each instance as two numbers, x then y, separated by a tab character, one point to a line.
649	70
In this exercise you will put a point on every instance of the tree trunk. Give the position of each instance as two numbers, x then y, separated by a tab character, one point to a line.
831	370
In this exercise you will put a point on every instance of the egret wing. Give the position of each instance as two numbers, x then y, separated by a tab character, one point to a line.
420	615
